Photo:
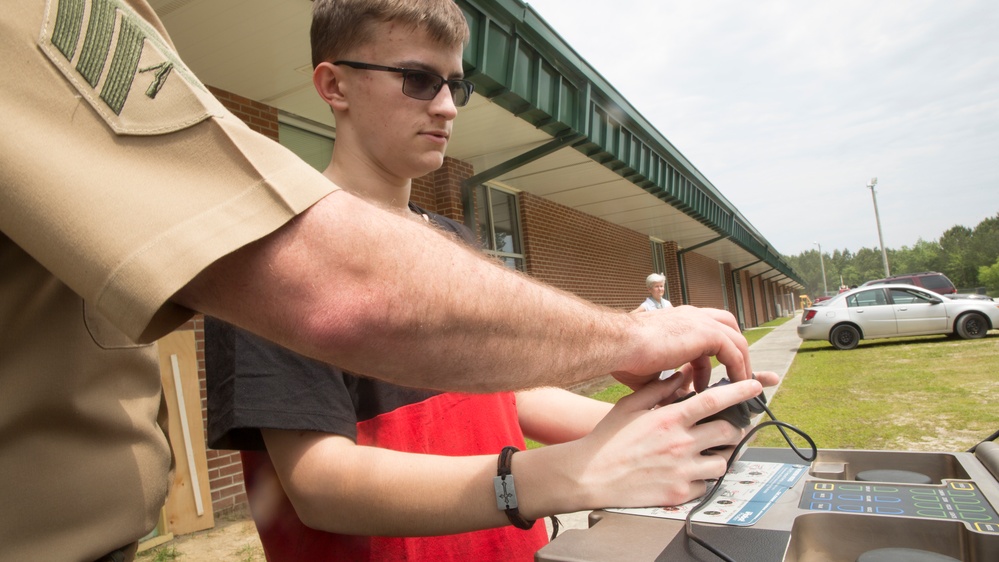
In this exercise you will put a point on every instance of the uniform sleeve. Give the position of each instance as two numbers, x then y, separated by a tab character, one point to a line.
124	176
255	384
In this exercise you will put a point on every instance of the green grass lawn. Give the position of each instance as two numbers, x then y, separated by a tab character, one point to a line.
921	394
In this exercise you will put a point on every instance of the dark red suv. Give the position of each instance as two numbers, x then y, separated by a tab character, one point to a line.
931	280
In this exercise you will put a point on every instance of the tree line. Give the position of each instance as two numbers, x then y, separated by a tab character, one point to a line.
968	256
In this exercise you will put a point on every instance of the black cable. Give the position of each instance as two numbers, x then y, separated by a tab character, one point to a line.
688	521
555	526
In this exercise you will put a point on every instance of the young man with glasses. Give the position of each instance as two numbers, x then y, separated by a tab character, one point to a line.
340	467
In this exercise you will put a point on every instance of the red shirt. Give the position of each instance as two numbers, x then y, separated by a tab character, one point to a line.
446	424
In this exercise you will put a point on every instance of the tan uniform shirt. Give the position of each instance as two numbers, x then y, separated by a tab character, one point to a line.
121	178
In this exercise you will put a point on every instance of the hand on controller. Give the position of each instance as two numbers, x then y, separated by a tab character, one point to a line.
740	415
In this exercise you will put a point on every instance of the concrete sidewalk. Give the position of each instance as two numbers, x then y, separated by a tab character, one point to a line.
773	352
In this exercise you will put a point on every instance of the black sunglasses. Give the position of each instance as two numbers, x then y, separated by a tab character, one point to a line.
420	84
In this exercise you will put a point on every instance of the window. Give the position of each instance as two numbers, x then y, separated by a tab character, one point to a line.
310	143
498	225
906	296
938	284
874	297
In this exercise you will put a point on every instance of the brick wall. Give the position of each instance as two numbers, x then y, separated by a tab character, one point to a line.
259	117
594	259
440	191
704	287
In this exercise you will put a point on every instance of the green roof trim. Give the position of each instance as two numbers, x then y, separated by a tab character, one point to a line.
520	63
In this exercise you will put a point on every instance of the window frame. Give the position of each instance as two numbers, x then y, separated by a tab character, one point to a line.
854	300
320	139
513	260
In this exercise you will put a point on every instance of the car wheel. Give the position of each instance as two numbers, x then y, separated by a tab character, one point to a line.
844	337
971	326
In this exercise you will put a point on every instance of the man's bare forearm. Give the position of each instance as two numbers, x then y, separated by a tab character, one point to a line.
454	320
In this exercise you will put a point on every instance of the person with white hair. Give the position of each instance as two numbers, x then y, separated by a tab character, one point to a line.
656	283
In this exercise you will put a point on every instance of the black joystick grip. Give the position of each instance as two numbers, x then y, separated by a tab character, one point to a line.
739	414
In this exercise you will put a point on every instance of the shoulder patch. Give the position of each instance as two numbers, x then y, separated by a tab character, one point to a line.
123	67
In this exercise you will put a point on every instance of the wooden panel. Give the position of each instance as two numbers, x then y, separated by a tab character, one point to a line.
181	509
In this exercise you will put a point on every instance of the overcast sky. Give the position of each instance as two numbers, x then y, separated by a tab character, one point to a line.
790	107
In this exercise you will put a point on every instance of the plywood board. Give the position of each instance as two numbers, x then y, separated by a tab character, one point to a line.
181	508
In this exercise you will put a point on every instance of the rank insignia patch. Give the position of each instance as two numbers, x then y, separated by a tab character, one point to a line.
123	67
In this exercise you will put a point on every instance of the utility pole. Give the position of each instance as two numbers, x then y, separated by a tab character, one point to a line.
881	240
822	263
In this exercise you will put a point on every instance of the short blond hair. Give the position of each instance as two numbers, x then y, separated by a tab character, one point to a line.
341	25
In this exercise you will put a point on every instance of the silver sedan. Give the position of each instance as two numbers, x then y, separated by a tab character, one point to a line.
886	311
